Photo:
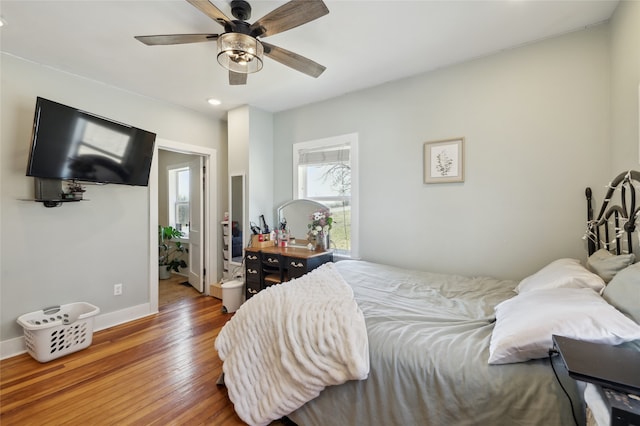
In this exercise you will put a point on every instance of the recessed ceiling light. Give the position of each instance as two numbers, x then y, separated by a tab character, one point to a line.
214	102
2	21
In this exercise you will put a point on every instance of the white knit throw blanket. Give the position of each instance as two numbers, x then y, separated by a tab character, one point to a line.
290	341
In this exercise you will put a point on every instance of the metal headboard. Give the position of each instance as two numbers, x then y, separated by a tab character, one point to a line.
614	226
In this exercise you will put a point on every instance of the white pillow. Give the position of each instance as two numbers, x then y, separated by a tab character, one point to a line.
561	273
525	323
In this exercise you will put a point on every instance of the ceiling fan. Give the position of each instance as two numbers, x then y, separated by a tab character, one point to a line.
240	49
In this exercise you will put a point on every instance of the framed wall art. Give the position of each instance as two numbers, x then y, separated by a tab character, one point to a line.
444	161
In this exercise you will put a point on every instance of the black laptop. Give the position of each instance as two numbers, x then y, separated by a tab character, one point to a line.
612	367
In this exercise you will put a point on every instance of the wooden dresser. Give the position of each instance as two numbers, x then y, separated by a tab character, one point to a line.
271	265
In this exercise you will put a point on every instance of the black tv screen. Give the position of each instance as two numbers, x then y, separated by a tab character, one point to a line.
68	143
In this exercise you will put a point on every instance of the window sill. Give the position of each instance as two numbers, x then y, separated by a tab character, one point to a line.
339	256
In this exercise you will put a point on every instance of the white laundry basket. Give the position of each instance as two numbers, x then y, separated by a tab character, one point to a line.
58	330
232	295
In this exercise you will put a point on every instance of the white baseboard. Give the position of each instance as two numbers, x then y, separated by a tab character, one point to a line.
15	346
111	319
12	347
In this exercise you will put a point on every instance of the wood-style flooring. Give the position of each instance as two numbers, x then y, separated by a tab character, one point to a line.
174	290
159	370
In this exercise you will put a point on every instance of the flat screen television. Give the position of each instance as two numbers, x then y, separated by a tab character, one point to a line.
71	144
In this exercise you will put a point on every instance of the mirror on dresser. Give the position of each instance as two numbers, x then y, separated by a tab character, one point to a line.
297	214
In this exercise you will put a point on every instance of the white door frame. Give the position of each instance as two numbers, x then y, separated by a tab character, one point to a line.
210	207
196	222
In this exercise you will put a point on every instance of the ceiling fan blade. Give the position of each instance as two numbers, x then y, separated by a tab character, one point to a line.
237	79
287	16
159	40
293	60
212	12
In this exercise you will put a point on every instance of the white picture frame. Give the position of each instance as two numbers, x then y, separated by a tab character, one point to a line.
444	161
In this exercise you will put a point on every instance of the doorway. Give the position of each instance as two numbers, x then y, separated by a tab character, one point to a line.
180	195
203	256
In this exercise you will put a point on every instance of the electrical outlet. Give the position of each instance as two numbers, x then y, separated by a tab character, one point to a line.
117	289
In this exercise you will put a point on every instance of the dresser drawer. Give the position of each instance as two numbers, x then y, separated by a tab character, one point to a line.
296	267
271	260
252	289
252	274
252	260
252	268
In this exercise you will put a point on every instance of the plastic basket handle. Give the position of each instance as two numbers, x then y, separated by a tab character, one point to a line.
51	310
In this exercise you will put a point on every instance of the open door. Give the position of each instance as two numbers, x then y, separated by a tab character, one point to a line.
196	246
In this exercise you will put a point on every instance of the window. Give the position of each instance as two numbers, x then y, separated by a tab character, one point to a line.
179	199
326	171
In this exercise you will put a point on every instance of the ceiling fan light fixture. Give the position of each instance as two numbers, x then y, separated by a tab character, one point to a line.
240	53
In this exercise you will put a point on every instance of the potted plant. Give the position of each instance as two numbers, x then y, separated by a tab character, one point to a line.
170	252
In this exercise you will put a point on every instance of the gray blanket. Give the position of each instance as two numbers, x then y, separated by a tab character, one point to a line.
429	345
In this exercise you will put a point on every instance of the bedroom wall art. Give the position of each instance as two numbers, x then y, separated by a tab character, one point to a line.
444	161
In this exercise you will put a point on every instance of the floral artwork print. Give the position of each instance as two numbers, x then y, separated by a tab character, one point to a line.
444	161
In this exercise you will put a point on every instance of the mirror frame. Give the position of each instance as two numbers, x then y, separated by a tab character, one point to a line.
313	207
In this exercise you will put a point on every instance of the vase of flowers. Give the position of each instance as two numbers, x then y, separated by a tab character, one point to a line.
318	233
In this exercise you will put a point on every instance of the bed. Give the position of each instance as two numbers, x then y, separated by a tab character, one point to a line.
448	349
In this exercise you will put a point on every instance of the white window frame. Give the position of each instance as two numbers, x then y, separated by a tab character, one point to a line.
352	140
171	196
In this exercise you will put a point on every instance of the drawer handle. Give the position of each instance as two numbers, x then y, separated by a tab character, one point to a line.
270	260
251	257
252	271
252	291
297	265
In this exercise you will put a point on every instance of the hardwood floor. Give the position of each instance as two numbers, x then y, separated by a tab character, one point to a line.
157	370
173	290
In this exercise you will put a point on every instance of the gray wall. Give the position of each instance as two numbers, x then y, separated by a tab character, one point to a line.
77	252
625	86
536	122
250	151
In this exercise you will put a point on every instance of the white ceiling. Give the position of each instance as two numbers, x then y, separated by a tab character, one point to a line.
362	43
